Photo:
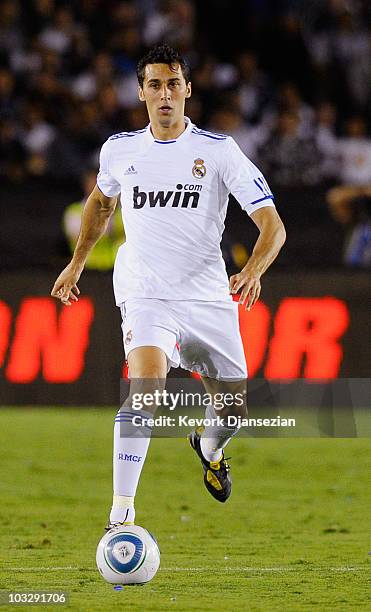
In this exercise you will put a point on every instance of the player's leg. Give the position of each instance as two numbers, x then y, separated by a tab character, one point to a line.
148	369
150	342
216	434
219	431
212	346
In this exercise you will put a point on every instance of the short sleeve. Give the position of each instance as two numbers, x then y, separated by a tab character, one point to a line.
244	180
105	181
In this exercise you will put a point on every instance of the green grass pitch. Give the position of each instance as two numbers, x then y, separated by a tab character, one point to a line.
292	536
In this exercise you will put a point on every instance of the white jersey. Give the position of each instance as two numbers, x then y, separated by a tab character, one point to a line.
174	197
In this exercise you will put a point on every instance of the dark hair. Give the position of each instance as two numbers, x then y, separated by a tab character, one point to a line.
162	54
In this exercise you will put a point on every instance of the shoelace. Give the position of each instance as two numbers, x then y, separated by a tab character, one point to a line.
226	465
113	525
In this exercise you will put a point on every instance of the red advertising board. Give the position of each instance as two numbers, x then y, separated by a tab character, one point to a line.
50	353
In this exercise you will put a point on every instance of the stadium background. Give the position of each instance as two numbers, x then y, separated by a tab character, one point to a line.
291	83
290	80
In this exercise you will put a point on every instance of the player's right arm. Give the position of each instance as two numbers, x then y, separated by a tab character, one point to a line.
94	221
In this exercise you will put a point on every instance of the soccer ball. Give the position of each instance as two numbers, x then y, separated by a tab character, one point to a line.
128	554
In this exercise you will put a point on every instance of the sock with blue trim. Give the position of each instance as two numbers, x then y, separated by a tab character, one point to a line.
131	440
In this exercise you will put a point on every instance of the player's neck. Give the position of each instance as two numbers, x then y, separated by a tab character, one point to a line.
171	132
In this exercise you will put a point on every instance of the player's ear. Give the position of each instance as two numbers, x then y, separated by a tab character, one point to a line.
141	94
189	90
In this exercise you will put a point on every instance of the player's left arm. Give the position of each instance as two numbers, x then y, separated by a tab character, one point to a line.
272	236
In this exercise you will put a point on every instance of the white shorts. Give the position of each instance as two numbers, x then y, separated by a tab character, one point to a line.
199	336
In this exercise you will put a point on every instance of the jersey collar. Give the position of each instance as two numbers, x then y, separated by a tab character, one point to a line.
183	135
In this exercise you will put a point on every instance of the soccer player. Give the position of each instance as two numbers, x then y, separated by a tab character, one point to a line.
170	280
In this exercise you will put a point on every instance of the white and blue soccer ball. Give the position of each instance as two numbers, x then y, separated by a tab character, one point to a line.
128	554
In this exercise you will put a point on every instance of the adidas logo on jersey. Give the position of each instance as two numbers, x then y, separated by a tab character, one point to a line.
130	170
186	196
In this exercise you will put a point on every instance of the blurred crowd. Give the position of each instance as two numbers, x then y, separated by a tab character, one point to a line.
291	84
294	89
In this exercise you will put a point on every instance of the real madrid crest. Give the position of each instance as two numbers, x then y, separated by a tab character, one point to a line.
199	169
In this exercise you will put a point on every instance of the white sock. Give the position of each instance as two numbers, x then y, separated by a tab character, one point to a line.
122	510
130	448
215	437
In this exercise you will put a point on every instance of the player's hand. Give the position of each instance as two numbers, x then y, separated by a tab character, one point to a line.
250	285
65	287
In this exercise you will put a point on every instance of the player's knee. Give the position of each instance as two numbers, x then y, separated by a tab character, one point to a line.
147	363
146	389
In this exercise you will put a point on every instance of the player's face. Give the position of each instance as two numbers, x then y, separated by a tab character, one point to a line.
164	91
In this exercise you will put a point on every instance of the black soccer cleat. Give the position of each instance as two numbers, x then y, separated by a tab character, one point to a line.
217	478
